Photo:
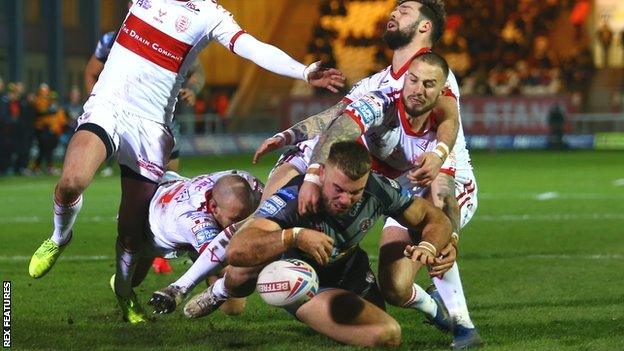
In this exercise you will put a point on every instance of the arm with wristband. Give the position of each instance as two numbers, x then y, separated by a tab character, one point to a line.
262	240
435	228
429	163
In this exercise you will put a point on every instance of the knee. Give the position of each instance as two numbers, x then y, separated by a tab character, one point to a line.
70	187
388	335
395	294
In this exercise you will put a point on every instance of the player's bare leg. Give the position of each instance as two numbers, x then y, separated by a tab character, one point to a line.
449	286
136	194
85	153
396	278
349	319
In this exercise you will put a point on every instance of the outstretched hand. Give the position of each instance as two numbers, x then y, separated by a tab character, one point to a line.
268	145
428	166
328	78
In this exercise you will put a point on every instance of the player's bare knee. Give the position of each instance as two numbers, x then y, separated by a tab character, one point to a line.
395	294
70	187
388	335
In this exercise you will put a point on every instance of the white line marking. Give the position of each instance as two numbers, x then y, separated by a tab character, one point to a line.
547	196
549	217
560	196
619	182
543	257
62	258
36	219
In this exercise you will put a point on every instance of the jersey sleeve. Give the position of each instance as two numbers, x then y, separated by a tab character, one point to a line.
394	199
103	46
369	110
200	232
363	87
227	31
282	207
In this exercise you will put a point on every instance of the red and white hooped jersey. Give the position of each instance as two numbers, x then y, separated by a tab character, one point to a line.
156	44
389	81
178	215
387	133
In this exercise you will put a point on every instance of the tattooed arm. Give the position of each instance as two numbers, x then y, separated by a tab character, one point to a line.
316	124
341	128
304	130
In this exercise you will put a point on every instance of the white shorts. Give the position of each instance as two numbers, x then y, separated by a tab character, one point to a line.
141	144
465	193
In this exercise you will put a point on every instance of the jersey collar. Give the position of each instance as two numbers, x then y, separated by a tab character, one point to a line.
403	69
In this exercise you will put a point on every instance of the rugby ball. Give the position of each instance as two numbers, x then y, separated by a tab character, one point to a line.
287	282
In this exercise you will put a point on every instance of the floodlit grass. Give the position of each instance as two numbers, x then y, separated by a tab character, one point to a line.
542	264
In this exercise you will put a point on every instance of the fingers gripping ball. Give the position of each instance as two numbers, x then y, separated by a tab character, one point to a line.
287	282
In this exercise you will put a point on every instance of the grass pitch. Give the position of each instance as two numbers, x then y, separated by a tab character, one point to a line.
542	264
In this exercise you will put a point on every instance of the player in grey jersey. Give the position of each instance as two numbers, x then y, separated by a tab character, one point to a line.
329	240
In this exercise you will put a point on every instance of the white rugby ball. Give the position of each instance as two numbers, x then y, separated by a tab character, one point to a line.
287	282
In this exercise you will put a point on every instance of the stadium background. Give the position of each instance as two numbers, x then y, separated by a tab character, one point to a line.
541	261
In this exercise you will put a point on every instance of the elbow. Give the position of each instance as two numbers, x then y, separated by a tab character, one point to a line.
235	256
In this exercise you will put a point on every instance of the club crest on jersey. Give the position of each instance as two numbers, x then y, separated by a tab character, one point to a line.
365	224
146	4
182	24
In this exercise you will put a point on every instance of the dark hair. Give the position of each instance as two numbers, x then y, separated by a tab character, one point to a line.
351	158
435	11
434	59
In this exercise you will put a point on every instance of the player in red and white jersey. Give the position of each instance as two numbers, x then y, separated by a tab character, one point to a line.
413	27
129	112
187	215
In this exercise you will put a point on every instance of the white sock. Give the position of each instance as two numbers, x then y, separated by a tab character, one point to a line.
219	290
64	218
421	301
208	263
126	264
452	293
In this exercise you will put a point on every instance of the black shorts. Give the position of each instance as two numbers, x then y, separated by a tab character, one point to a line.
352	273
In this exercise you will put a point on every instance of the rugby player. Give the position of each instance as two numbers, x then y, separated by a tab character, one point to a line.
349	307
186	215
413	27
130	110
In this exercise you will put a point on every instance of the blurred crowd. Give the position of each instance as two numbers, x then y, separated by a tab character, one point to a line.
37	119
35	127
494	48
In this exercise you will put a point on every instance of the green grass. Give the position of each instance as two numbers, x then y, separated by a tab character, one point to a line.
538	275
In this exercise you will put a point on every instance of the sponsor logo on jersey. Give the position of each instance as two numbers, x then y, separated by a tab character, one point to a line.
272	205
191	6
205	232
365	109
182	23
394	184
356	208
146	4
290	194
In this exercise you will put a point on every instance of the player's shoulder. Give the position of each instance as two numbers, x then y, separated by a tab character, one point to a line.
283	202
